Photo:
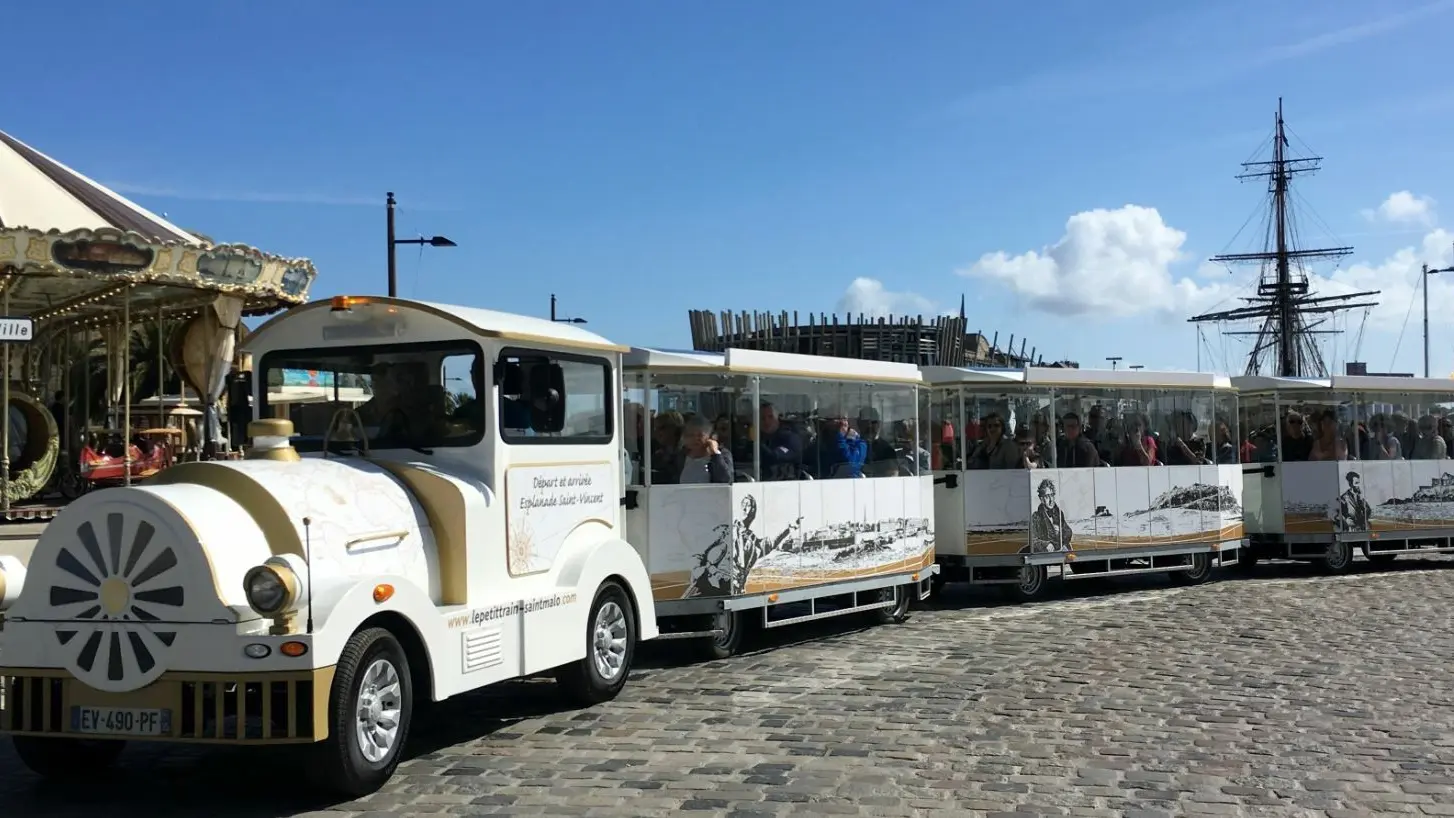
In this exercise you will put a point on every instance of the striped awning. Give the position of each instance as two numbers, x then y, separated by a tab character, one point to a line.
42	194
73	251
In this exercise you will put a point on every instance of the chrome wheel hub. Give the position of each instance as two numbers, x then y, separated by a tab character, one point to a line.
608	641
380	706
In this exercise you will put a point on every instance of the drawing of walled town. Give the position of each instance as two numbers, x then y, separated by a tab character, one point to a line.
738	560
1067	513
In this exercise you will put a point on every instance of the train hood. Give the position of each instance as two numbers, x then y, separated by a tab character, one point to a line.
120	569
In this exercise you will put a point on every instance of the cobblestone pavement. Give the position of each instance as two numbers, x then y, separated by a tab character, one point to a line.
1288	694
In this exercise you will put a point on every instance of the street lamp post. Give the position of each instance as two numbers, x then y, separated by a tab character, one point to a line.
562	320
1114	359
1425	282
1136	366
433	241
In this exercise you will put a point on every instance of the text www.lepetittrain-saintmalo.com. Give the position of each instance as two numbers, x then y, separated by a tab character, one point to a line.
479	616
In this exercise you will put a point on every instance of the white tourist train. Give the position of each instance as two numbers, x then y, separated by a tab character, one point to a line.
473	496
414	554
1347	464
1074	474
817	506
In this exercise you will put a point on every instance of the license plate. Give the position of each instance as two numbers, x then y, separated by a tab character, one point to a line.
121	721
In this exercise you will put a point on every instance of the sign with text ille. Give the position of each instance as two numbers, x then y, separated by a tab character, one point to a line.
17	330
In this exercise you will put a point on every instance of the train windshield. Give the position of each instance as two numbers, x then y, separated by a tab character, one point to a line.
403	396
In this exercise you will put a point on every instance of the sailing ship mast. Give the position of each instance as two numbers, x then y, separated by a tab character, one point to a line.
1283	302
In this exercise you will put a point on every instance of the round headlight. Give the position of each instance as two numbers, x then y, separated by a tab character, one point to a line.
266	591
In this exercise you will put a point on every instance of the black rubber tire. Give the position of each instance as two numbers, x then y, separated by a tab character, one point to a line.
67	759
937	583
1200	571
582	684
903	596
340	766
1338	559
1247	559
729	643
1033	579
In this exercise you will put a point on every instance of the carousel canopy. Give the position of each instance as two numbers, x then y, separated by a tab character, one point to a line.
73	252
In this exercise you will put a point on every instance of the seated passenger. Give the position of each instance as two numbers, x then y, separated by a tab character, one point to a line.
1381	443
1226	450
883	458
1097	430
1296	442
700	459
1040	430
1329	445
1138	448
383	398
1184	448
1025	443
666	439
1446	431
780	451
1074	451
1428	445
838	451
994	450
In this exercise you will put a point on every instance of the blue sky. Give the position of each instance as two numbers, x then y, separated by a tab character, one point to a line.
643	158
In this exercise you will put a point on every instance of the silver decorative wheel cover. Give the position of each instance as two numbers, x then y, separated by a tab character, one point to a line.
125	585
112	588
379	711
608	641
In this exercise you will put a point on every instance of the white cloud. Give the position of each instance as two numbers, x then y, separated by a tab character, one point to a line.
869	297
1119	264
1110	263
1397	280
1404	207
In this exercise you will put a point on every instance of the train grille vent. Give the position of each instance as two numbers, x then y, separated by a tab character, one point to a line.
482	649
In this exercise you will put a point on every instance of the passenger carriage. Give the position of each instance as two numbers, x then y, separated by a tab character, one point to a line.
450	519
1347	464
817	505
1047	473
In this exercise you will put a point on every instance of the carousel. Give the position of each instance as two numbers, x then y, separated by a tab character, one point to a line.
120	301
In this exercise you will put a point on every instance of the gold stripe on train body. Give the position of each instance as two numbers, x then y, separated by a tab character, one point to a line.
444	508
246	491
35	702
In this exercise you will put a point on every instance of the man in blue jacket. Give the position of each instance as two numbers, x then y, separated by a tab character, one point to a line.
839	450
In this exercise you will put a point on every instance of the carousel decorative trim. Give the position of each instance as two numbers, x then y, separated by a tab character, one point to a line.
112	255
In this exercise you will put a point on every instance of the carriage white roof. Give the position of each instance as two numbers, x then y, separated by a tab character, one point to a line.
1342	383
490	323
1124	378
948	375
773	364
1065	376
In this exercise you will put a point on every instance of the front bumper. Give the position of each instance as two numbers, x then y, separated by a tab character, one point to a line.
279	707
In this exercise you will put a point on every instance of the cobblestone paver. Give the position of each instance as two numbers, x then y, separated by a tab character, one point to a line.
1286	695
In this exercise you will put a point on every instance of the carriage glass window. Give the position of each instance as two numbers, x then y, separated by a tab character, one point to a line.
1187	427
1320	425
1257	419
1007	429
701	429
634	414
395	396
554	398
945	428
885	418
1084	436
